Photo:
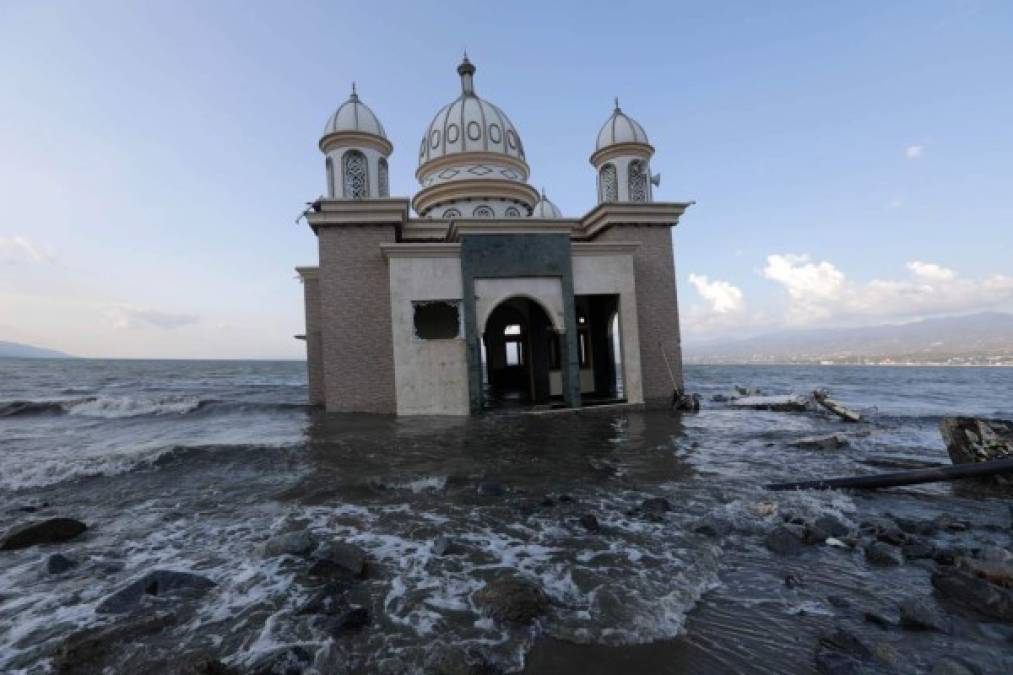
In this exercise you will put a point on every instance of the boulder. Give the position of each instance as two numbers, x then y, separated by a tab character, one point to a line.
841	653
947	522
971	439
878	619
590	522
343	558
49	531
918	549
714	526
291	660
203	664
491	488
656	505
922	614
59	563
999	573
883	554
456	661
352	620
159	583
290	543
950	665
330	600
786	539
828	442
974	593
512	600
85	650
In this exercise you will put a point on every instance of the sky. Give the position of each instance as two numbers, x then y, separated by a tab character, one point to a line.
850	163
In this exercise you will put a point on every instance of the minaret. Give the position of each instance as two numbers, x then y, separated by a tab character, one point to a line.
356	148
622	159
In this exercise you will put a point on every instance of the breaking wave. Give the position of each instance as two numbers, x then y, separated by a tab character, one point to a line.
113	407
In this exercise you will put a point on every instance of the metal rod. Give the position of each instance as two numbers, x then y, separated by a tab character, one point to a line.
898	478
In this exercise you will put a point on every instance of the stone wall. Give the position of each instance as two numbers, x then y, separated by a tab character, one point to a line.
657	307
358	357
314	353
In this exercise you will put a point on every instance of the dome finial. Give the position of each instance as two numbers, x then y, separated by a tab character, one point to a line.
466	70
354	96
617	104
543	192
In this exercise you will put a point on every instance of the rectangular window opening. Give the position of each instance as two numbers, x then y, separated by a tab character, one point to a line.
437	319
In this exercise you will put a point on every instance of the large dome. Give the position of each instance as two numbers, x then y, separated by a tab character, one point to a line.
620	128
354	115
469	124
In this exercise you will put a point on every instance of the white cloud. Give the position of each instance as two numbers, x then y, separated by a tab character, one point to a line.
818	292
930	271
914	151
126	316
16	249
723	296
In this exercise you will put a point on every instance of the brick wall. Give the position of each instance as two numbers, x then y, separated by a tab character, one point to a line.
358	357
657	307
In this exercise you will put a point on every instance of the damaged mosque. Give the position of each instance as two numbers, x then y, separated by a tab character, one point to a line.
487	296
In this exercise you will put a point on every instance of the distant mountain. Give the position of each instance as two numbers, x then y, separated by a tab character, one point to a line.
976	339
16	350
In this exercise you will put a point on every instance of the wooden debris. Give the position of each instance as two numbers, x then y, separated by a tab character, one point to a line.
897	478
773	403
835	407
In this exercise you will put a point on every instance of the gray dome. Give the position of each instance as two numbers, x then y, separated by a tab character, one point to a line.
620	128
545	208
354	115
469	124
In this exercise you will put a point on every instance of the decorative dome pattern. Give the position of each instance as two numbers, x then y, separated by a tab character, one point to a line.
354	115
469	124
620	128
545	208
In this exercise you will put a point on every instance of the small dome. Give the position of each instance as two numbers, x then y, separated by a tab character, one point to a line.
545	208
469	124
354	115
620	128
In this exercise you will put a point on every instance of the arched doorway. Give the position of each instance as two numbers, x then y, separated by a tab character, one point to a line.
516	344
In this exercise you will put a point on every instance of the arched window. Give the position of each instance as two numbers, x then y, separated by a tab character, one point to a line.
638	181
608	184
330	178
356	185
512	212
451	213
483	212
381	172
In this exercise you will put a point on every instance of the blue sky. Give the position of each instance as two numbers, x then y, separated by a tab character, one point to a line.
851	162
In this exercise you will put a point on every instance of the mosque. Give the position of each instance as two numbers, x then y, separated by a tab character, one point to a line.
478	293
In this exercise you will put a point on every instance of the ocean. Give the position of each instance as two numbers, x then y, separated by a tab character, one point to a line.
192	465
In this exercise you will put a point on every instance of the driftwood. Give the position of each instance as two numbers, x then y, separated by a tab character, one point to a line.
835	407
772	403
897	478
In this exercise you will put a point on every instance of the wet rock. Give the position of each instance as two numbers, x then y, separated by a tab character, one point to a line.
548	502
329	600
950	665
455	661
832	525
792	581
947	522
720	398
921	614
914	526
883	554
352	620
340	557
512	600
878	619
490	488
291	660
590	522
842	653
443	545
786	539
894	536
974	593
566	499
948	555
994	554
839	602
202	664
918	549
59	563
84	651
49	531
970	439
828	442
159	583
656	505
290	543
999	573
714	526
874	525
